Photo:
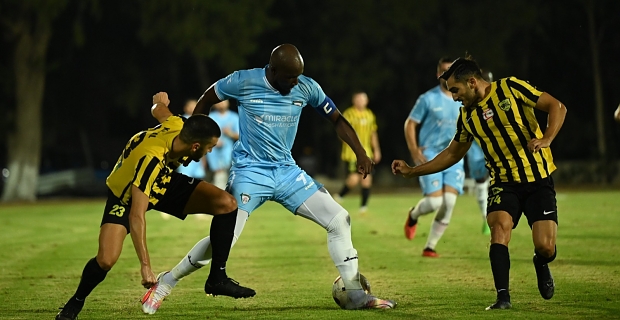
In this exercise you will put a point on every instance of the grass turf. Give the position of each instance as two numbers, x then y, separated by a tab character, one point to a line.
44	246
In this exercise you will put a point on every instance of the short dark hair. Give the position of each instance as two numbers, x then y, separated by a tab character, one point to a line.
199	128
463	69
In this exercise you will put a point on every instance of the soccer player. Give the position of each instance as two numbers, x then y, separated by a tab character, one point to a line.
478	171
434	115
270	103
500	117
364	123
194	169
144	178
220	159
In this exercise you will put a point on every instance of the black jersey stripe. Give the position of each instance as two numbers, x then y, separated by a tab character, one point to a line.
531	133
135	176
495	173
523	176
148	171
523	90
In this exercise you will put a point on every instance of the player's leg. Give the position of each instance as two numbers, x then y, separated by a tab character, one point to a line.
542	215
324	211
366	184
300	194
352	179
220	177
481	192
504	214
453	179
114	229
433	197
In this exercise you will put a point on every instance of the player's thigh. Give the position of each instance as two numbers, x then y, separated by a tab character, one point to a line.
540	202
504	197
431	183
293	187
320	208
251	187
454	177
111	238
207	198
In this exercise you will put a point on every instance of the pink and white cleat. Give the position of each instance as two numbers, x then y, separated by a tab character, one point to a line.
153	298
376	303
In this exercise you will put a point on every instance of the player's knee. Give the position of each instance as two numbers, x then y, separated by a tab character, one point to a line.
106	262
341	223
547	250
226	204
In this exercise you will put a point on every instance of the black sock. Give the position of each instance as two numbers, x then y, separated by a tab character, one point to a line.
344	191
500	266
222	233
540	260
365	195
91	277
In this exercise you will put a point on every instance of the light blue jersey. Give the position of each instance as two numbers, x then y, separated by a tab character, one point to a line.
476	163
263	168
220	158
437	113
267	120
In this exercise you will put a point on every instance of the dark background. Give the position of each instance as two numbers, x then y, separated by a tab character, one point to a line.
107	58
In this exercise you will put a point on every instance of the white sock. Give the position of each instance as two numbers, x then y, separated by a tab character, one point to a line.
198	257
220	178
341	250
442	219
425	206
481	191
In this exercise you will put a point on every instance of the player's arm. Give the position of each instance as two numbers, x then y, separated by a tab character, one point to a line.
444	160
376	148
137	228
411	136
160	110
205	102
557	113
617	114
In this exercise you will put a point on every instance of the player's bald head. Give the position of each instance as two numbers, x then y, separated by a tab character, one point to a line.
287	58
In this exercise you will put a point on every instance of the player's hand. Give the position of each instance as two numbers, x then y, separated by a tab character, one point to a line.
161	97
148	278
536	144
418	157
364	165
401	167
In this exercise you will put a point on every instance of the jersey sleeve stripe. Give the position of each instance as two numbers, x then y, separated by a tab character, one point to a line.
530	93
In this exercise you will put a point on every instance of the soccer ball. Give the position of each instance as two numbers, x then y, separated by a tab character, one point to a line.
340	294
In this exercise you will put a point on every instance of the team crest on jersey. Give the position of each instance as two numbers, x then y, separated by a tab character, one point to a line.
245	198
298	103
488	114
505	105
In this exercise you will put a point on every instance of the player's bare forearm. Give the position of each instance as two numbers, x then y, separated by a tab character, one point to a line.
137	224
444	160
205	102
557	114
346	132
160	110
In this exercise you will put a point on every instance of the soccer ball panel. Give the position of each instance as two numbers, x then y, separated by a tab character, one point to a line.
339	292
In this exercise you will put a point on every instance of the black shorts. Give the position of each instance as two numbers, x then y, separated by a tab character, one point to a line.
173	201
534	199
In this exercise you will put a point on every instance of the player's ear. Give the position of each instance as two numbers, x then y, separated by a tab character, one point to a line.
471	82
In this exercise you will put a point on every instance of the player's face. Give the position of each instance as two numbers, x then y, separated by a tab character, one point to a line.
286	79
201	149
462	91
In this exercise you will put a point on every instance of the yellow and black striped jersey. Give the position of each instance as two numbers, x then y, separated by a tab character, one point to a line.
144	162
364	124
503	123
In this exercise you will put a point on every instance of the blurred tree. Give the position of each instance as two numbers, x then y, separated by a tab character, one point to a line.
223	32
29	27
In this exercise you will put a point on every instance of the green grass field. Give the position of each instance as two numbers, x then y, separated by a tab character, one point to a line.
44	247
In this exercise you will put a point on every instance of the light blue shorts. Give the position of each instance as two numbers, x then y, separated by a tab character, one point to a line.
287	185
453	177
475	163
